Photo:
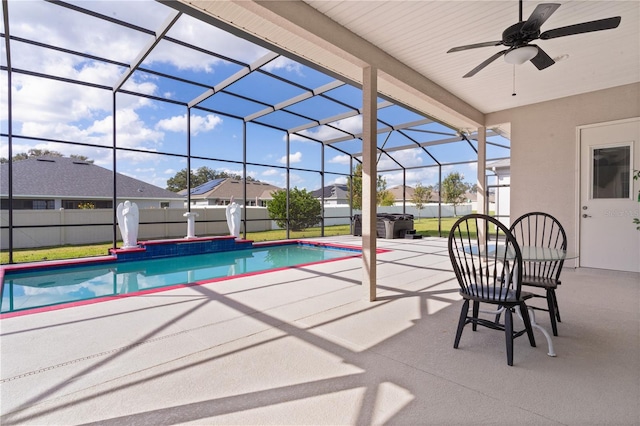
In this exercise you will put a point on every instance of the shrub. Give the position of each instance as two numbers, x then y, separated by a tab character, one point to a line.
304	209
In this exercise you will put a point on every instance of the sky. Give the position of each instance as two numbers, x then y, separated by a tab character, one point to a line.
52	110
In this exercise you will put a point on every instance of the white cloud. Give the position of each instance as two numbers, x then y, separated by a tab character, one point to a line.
284	63
238	172
213	39
94	36
408	158
351	125
204	124
45	101
340	180
295	180
178	123
274	176
296	157
145	170
425	176
132	132
341	159
37	100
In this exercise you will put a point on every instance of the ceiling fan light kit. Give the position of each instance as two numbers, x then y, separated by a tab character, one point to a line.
518	36
520	55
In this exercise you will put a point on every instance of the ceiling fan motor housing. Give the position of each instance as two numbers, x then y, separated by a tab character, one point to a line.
514	37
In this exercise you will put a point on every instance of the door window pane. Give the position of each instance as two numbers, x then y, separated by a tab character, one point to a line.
611	172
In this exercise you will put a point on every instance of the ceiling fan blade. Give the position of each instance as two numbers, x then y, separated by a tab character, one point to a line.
474	46
542	60
538	17
484	64
585	27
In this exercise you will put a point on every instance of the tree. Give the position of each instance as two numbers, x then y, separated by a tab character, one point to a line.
201	175
304	209
354	186
421	196
81	158
385	198
34	153
453	189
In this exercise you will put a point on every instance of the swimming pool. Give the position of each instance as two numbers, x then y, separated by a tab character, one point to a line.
28	290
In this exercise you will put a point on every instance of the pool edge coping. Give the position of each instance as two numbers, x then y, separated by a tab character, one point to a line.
111	258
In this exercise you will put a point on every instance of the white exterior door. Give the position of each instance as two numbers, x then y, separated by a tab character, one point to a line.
609	153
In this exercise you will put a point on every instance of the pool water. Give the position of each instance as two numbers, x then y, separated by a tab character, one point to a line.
41	288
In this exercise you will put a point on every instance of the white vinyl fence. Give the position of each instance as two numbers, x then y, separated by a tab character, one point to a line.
332	213
42	228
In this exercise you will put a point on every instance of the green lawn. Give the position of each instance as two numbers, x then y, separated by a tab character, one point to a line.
427	227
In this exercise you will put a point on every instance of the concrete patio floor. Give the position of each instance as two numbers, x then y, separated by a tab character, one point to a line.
304	346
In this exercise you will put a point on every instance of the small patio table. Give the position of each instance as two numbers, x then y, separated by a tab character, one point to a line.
529	254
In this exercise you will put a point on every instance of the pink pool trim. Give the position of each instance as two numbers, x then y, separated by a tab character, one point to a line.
143	244
56	263
168	288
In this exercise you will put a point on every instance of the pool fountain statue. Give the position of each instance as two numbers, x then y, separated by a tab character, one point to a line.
128	217
233	218
191	224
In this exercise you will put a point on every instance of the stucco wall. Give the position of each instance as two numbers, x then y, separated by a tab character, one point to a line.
544	160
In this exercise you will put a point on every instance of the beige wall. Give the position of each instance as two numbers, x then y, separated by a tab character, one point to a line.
544	148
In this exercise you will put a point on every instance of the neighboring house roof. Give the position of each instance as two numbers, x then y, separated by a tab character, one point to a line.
64	177
339	191
500	167
224	188
435	196
398	192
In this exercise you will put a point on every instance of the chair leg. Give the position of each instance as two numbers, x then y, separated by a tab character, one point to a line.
508	333
524	311
476	312
555	304
462	322
497	320
552	311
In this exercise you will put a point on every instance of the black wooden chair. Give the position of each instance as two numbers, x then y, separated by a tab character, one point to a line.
488	266
538	229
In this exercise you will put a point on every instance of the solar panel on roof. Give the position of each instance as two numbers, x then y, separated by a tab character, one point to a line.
206	187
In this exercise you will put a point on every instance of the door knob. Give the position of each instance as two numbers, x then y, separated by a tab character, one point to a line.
586	215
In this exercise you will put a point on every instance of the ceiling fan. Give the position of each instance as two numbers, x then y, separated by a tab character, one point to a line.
519	36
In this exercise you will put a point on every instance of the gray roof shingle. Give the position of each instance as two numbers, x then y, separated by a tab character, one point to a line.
223	189
68	177
331	190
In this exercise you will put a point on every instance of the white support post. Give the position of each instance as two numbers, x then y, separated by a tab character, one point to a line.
369	174
481	179
482	166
